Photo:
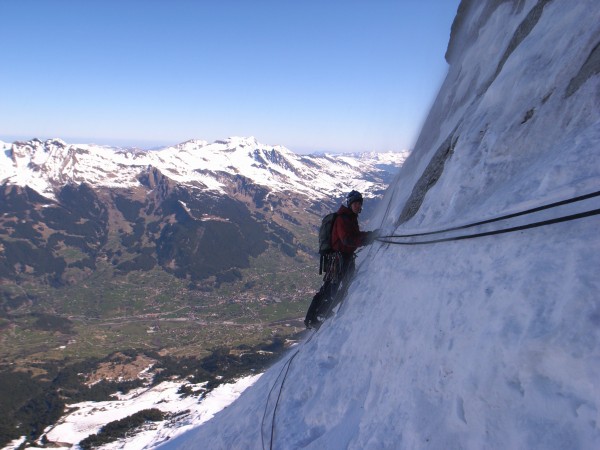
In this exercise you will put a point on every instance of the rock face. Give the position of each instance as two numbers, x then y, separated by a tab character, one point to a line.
521	91
487	342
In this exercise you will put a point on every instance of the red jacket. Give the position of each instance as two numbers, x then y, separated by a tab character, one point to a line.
346	237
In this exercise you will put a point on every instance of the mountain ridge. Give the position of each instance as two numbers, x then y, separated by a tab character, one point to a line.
149	201
82	223
45	164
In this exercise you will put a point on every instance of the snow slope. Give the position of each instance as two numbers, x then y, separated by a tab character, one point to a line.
87	418
484	343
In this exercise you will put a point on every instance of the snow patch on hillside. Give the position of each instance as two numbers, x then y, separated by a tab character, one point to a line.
87	418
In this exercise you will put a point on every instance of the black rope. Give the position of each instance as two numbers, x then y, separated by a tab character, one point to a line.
499	218
289	363
262	425
387	239
285	366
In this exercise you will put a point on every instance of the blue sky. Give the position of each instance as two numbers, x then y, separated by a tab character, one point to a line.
312	75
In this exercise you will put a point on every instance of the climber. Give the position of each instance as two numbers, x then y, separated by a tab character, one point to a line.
346	238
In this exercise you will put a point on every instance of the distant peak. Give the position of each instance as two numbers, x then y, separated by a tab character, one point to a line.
192	144
56	141
239	141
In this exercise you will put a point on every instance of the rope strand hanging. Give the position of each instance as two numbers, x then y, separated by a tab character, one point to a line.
593	212
499	218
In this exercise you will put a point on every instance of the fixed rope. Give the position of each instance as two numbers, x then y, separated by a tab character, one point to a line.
593	212
391	239
286	367
338	300
262	424
499	218
289	363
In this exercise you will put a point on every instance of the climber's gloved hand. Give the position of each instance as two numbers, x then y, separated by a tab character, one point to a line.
371	236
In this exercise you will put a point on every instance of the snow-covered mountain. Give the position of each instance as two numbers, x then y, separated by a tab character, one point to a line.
45	166
488	342
195	209
201	236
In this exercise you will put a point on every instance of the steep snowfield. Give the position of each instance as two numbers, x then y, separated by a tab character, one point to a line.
485	343
87	418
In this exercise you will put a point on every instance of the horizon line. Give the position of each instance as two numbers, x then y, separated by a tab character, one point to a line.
158	144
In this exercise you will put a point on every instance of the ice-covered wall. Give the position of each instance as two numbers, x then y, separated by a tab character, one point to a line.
491	342
520	97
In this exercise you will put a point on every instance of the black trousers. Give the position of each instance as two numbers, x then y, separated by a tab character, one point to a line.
338	273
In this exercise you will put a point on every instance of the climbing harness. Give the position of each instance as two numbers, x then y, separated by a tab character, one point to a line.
339	277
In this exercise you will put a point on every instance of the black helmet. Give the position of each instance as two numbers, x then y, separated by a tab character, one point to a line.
353	196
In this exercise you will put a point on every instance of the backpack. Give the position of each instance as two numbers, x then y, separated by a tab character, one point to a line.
325	232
